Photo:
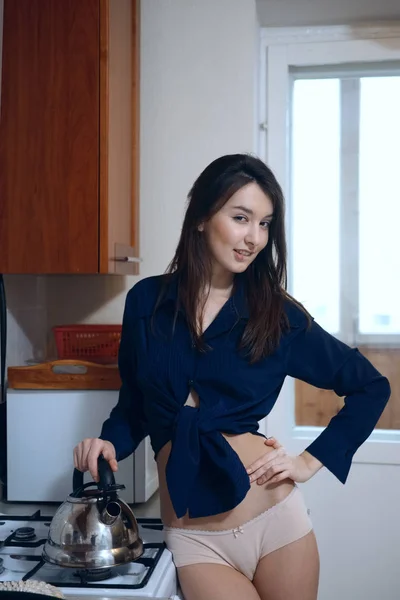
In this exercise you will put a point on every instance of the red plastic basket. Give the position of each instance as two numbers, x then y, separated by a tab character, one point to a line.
95	343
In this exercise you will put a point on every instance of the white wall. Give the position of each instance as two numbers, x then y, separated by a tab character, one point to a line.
26	318
198	77
287	13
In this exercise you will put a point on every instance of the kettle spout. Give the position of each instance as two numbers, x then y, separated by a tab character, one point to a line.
110	513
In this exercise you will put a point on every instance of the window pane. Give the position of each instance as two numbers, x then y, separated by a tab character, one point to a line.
372	196
379	206
315	138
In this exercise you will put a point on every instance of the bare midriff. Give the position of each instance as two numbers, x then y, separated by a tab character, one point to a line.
249	448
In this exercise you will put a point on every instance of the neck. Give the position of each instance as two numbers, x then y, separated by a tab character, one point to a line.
221	282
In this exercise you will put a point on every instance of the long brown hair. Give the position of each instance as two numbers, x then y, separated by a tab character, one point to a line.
266	277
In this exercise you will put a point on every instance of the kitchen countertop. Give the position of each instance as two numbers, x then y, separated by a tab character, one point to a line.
149	509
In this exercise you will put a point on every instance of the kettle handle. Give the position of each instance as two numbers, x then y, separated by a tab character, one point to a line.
77	482
106	476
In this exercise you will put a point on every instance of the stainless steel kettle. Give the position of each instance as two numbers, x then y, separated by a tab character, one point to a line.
93	528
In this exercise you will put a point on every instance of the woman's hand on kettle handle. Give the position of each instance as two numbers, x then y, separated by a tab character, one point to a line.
88	451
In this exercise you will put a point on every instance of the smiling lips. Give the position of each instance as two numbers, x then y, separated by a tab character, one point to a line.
242	254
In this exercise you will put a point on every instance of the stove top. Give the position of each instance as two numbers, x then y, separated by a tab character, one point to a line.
153	575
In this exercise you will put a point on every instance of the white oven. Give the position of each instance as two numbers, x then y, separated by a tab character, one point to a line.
43	426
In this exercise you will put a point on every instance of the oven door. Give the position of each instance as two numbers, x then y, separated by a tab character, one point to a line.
43	427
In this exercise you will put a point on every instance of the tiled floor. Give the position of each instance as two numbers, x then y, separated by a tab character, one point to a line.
151	508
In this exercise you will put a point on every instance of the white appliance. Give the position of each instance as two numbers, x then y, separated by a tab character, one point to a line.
153	575
44	426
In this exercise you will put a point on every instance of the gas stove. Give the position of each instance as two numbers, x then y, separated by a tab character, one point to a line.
153	575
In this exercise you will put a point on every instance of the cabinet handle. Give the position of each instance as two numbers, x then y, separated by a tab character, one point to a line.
129	259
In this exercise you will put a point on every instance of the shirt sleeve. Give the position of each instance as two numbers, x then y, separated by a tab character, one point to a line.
318	358
126	426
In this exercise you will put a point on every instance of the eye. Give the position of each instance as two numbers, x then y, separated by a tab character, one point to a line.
240	218
265	224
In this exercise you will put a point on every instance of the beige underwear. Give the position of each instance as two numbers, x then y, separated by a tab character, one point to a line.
243	547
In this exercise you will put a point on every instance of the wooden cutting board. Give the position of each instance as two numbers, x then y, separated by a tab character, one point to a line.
65	375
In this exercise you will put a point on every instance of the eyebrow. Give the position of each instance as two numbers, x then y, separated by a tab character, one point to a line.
249	211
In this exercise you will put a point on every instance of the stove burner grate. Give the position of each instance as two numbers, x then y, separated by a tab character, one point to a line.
94	575
24	534
1	565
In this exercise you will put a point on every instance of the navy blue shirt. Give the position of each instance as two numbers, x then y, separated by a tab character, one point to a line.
204	475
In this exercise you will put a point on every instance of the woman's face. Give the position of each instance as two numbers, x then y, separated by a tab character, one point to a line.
239	230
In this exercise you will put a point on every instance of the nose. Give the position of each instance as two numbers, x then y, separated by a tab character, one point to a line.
252	238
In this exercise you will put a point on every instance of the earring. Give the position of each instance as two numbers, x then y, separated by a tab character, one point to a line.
200	227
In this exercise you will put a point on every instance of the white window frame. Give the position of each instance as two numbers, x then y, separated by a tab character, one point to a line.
280	50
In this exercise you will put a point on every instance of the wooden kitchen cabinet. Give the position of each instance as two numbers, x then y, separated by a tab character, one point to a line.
69	132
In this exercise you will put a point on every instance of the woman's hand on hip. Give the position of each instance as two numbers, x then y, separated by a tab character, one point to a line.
88	451
278	465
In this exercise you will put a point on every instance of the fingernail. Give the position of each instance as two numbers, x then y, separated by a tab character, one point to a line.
248	471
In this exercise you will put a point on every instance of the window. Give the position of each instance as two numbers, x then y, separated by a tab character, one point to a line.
329	129
344	217
379	206
316	198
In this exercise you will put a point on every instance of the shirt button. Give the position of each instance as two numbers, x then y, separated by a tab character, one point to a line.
190	382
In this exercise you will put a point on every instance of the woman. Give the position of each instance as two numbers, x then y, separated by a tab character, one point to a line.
204	352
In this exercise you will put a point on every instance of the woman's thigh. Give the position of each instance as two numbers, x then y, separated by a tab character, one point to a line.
291	572
217	582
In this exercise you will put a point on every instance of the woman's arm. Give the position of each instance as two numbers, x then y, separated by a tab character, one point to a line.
318	358
126	426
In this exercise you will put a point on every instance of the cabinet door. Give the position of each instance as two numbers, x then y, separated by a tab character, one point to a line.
49	137
119	136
